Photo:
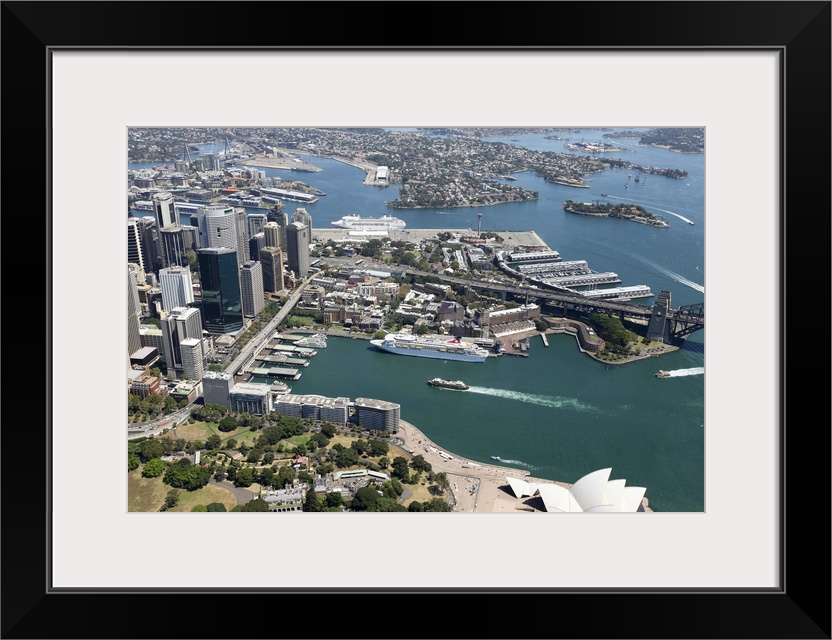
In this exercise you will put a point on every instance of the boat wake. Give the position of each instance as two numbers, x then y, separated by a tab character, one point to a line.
517	463
673	213
681	279
545	401
681	373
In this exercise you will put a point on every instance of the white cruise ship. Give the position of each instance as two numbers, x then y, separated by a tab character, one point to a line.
406	344
381	223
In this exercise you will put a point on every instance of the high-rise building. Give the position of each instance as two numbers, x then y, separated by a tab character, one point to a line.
134	341
282	220
302	215
164	209
251	288
165	218
180	324
255	243
149	242
177	287
297	248
222	310
273	235
271	259
192	359
217	227
174	247
135	252
216	387
241	218
256	222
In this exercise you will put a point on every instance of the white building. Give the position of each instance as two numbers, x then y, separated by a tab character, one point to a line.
192	359
251	288
177	287
593	493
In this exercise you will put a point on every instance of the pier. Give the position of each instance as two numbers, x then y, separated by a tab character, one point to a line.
545	339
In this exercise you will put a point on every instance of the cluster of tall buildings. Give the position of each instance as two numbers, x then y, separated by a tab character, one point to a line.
202	269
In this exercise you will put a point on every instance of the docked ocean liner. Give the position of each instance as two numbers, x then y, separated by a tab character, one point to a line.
405	344
381	223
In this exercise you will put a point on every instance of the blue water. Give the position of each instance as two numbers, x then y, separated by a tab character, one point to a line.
558	413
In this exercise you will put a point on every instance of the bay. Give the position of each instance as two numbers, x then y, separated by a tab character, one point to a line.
558	413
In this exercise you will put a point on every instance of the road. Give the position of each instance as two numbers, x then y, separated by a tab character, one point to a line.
259	341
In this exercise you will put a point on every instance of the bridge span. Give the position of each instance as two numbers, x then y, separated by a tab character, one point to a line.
664	322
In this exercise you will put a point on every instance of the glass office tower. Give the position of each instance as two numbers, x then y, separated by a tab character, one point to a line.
222	309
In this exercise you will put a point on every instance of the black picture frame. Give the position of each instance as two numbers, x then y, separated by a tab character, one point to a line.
800	608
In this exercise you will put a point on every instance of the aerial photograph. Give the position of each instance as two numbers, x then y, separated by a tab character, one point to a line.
416	319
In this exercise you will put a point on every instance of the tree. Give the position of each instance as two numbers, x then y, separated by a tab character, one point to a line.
132	462
334	499
228	423
213	442
149	449
171	499
244	478
377	447
253	505
328	429
420	464
216	506
400	469
312	502
153	468
366	499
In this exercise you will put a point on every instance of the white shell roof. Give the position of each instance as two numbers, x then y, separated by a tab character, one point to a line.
593	493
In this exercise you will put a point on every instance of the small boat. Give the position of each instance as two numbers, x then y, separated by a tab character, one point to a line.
604	194
497	458
663	374
458	385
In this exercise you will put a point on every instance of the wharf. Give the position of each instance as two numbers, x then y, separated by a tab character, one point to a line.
545	339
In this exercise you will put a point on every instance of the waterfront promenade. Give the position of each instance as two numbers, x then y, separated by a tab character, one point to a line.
477	487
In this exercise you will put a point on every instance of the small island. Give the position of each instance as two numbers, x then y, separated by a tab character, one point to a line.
633	212
592	147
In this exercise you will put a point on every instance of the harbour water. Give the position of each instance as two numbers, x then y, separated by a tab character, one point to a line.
557	413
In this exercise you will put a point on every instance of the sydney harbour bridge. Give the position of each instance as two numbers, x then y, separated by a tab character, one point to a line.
663	321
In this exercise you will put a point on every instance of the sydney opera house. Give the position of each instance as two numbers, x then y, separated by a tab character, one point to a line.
594	493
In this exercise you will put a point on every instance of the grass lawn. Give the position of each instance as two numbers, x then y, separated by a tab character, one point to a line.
420	493
145	494
208	494
301	439
195	431
148	494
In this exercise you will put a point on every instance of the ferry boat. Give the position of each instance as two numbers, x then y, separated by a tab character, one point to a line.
406	344
457	385
380	223
663	374
316	341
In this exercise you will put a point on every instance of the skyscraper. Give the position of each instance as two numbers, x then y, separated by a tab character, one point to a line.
149	238
192	358
134	341
135	253
180	324
218	228
177	287
251	288
255	243
165	218
174	247
222	310
282	221
256	222
302	215
297	248
274	237
241	218
271	258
